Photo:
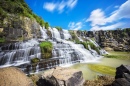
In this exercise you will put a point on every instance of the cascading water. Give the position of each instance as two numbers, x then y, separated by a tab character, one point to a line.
64	52
68	52
15	54
56	34
66	34
43	33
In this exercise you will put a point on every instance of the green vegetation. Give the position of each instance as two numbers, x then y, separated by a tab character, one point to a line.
18	7
47	25
102	69
2	40
35	60
46	49
91	45
58	28
118	55
74	37
85	43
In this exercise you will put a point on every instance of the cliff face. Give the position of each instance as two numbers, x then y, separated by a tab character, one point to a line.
118	40
18	28
17	21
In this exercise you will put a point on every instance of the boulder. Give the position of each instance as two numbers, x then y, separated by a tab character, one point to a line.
62	77
121	82
122	77
121	70
12	76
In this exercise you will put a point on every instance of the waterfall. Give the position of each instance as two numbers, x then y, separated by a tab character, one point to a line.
43	33
15	54
56	34
66	34
64	52
68	52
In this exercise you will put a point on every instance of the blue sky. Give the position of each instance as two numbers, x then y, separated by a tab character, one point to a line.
83	14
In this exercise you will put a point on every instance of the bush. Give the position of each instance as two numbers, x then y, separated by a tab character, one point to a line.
35	60
46	49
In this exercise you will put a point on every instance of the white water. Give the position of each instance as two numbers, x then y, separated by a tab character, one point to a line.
19	53
66	34
68	52
43	33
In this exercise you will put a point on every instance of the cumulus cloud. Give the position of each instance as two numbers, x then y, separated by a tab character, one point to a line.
98	18
60	6
75	26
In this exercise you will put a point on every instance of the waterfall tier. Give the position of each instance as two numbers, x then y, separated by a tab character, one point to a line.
19	53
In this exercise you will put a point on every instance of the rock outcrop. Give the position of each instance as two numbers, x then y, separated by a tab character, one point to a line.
118	40
12	76
62	77
19	28
122	77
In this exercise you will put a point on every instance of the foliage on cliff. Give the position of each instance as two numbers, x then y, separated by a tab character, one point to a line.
58	28
91	45
46	49
74	37
18	7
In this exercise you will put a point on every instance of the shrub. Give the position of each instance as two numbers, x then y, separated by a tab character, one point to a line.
35	60
46	49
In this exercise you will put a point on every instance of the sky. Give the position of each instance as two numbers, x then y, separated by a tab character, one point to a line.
83	14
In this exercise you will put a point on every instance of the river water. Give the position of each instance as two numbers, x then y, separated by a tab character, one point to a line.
89	74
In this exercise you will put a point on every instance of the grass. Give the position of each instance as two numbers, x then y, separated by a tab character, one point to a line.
102	69
118	55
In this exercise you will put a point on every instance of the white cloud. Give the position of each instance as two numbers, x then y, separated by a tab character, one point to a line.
122	12
75	26
50	6
71	3
60	6
98	18
110	27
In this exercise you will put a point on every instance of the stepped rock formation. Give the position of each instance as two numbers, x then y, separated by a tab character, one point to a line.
12	76
62	77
